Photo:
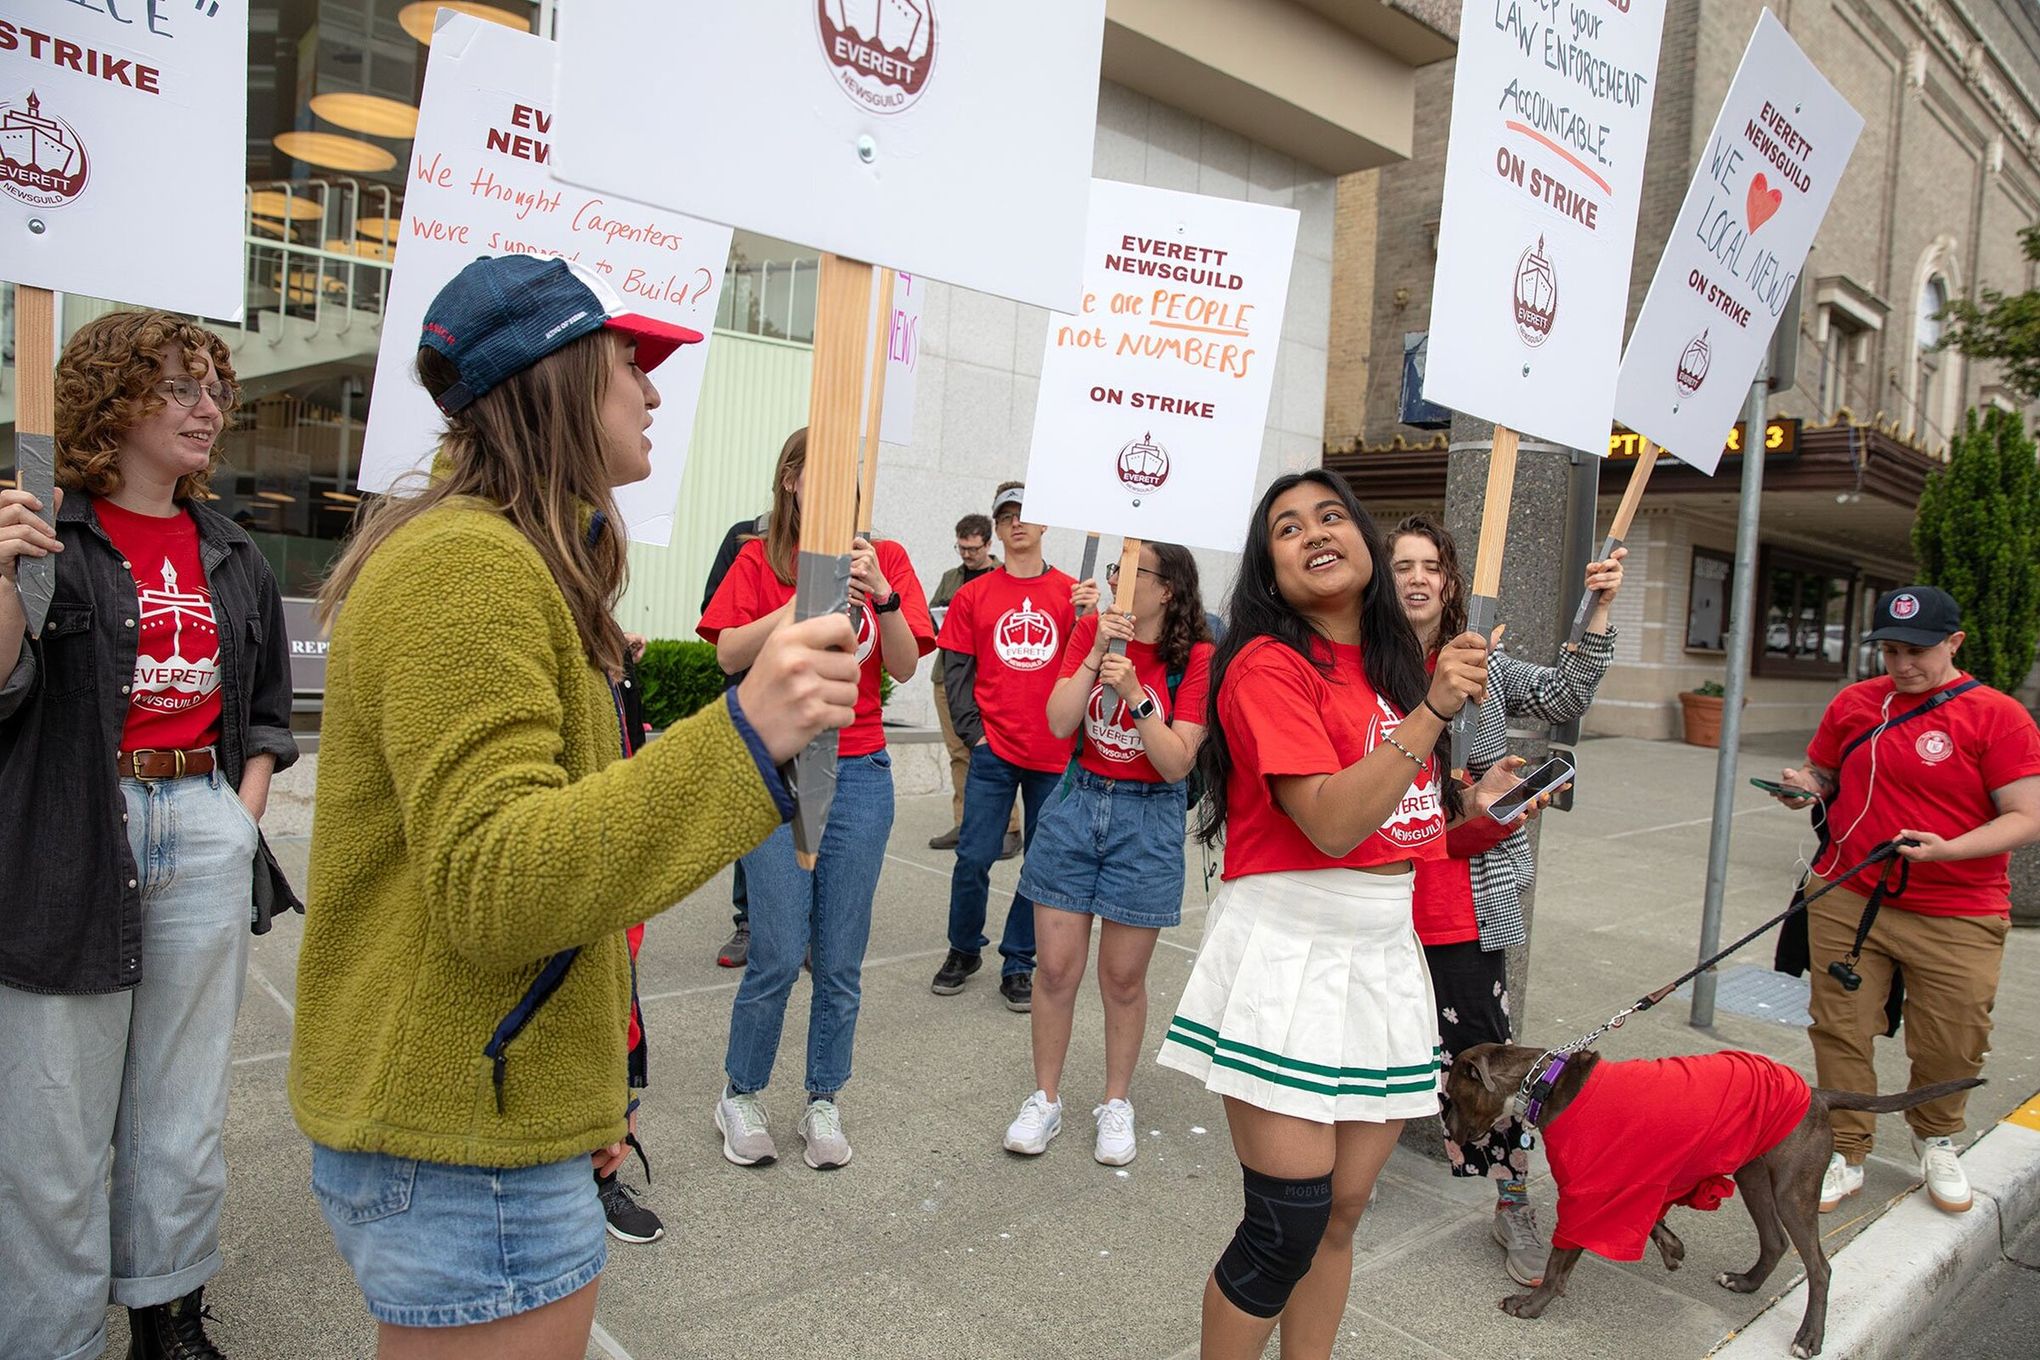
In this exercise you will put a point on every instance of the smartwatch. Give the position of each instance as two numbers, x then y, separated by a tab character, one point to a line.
1144	709
886	606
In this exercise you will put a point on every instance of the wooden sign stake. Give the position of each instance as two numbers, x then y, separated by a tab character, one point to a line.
829	508
1639	478
1124	593
35	437
874	408
1485	603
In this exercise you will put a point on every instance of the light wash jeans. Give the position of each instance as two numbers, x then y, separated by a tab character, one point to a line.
129	1085
827	911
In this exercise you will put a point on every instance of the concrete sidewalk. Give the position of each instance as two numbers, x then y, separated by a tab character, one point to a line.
936	1243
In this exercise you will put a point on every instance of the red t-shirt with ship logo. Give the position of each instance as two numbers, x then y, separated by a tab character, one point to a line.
174	698
1017	628
1112	747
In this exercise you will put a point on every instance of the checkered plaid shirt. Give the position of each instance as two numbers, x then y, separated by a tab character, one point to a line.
1553	694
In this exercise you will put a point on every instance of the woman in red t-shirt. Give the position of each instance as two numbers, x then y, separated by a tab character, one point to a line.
1110	844
1309	1009
823	914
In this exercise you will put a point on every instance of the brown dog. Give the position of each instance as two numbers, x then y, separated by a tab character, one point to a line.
1780	1184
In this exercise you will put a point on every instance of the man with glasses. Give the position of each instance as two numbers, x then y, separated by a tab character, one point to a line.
975	558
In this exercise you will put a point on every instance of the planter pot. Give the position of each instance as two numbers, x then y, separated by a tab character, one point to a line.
1703	718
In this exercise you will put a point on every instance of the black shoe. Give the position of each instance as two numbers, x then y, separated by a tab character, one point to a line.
629	1221
172	1331
737	952
1012	846
955	968
947	840
1018	989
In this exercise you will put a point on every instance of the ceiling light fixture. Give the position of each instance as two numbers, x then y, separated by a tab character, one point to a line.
370	113
334	152
417	19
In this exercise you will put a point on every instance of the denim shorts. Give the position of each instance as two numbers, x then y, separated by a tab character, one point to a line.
1112	848
433	1245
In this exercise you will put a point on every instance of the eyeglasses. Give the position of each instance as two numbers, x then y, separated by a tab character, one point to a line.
1008	517
1112	574
185	391
966	549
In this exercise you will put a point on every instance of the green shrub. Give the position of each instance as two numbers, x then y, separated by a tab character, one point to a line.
678	678
1977	535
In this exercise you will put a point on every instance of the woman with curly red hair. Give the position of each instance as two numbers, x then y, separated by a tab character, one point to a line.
137	879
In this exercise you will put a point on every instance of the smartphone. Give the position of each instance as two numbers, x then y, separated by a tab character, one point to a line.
1540	780
1782	790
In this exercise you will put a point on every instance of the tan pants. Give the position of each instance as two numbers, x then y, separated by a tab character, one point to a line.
959	764
1951	976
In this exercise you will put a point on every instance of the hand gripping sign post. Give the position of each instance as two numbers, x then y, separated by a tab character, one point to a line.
1154	391
1551	110
947	137
478	184
89	100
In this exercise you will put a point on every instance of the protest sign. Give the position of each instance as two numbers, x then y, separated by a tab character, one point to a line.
903	359
1154	391
123	140
1769	169
478	185
946	137
1551	110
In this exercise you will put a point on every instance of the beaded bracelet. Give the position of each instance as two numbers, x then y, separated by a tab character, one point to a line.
1414	757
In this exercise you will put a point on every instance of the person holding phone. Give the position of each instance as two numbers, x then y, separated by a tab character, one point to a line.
1469	905
1926	753
1309	1009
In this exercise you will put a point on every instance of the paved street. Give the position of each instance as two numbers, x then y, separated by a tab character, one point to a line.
935	1242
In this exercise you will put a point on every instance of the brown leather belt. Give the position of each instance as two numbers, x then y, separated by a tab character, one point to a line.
167	764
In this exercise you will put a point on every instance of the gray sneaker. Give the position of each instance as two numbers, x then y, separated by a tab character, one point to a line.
745	1138
1515	1229
821	1128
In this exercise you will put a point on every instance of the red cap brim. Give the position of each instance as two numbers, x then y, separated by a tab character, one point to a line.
656	340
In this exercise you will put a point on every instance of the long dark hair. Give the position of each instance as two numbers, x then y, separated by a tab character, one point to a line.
1389	651
1183	625
1452	622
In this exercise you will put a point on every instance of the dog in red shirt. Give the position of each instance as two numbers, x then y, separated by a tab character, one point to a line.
1628	1140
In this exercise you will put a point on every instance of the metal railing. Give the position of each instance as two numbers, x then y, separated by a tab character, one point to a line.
318	250
771	298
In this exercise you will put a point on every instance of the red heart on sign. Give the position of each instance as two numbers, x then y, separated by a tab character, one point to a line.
1763	200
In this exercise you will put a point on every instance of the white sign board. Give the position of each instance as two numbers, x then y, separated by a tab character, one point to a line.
1551	105
477	185
1763	185
1154	393
949	137
123	147
902	360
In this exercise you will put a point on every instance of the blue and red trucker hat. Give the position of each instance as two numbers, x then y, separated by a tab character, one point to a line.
503	313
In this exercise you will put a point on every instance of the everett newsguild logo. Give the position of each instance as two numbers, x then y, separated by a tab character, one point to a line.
880	52
1935	746
1905	606
1536	295
1420	816
1693	364
42	159
1143	465
867	632
1110	726
1025	638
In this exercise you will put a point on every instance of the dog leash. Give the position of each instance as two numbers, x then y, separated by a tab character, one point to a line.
1542	1076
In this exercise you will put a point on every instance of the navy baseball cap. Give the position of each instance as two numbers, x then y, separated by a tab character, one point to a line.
503	313
1919	616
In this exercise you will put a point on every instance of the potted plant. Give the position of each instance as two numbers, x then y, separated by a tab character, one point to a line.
1702	707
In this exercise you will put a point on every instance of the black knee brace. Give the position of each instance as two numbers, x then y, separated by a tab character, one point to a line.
1272	1248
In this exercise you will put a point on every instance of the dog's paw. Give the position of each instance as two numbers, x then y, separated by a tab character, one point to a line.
1741	1284
1523	1306
1805	1346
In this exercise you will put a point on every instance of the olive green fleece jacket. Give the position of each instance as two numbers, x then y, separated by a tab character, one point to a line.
474	817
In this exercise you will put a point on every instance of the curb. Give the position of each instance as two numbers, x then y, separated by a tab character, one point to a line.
1894	1279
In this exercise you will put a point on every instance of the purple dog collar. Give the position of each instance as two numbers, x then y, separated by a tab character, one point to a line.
1540	1089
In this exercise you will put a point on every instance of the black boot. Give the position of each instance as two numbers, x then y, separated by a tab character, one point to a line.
172	1331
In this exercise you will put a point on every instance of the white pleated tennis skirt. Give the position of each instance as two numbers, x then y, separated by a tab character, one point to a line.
1310	998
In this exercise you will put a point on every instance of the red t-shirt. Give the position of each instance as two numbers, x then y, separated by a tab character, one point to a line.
1112	747
174	703
1283	716
1442	902
1016	627
1932	774
751	591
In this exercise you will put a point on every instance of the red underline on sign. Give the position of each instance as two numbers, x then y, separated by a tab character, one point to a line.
1581	165
1208	330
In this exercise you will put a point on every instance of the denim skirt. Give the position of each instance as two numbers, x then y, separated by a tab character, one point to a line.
434	1245
1110	848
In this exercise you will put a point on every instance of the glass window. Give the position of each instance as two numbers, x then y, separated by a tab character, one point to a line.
1806	616
1707	598
1933	298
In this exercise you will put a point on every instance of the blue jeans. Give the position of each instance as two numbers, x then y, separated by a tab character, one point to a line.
987	803
112	1171
826	912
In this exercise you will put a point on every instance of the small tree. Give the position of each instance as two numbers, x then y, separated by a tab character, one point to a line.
2006	327
1977	536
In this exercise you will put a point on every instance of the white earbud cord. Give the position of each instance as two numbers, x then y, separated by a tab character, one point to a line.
1820	809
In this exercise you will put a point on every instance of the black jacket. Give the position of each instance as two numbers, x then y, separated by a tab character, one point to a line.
71	910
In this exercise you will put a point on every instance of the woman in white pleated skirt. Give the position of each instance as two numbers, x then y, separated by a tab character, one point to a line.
1309	1009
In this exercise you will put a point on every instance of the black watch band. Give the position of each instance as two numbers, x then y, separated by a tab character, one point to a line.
1145	708
888	605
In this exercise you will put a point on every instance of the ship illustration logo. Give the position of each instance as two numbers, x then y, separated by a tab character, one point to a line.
1143	465
867	632
1693	364
1536	295
42	159
880	52
1025	638
1110	727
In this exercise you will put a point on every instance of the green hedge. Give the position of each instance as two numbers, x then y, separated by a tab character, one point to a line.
678	678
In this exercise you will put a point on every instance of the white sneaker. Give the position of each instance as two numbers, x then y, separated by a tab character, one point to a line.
1116	1143
821	1128
1840	1182
1039	1120
745	1138
1941	1169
